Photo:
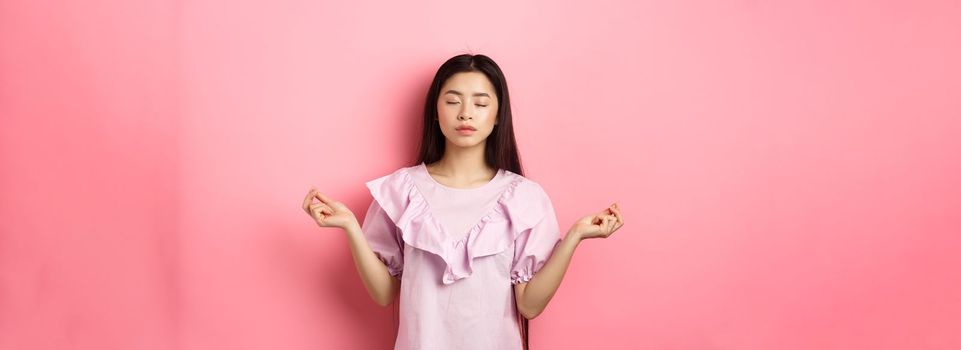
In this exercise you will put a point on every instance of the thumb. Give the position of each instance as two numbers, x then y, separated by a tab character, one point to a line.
607	211
323	198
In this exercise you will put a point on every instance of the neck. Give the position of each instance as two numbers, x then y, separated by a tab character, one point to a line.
463	163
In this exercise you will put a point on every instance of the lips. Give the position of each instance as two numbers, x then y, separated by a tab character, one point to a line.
466	127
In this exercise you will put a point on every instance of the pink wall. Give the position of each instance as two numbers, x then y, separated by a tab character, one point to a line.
788	171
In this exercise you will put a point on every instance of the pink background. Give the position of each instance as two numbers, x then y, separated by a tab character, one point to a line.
789	171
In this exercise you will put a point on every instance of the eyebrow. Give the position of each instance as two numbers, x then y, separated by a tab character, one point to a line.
458	93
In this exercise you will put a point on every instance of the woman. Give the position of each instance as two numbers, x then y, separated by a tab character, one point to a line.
475	242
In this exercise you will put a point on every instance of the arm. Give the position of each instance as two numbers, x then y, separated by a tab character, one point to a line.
533	296
381	286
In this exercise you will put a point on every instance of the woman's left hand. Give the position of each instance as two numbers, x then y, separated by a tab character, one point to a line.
598	225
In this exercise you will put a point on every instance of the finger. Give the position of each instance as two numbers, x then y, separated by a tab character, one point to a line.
610	208
321	213
598	220
617	214
606	228
320	206
307	199
325	210
323	198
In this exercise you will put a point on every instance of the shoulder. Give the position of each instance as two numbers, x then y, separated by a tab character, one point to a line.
526	201
393	192
397	175
392	186
526	188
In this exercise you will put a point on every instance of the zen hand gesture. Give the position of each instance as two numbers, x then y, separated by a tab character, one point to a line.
599	225
328	212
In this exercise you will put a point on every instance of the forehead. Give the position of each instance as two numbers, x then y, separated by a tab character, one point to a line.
468	83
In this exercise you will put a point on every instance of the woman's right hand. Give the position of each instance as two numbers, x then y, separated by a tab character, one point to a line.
328	212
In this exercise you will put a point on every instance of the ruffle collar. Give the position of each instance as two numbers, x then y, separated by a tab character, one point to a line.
512	213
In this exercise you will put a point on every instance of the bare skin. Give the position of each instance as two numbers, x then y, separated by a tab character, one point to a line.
467	99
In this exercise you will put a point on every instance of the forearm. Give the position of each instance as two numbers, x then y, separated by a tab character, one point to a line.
541	288
381	286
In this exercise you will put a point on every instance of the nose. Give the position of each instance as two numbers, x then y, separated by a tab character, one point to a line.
463	116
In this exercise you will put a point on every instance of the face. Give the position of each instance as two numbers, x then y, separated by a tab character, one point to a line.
467	99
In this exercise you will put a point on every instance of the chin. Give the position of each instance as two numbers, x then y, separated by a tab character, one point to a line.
467	142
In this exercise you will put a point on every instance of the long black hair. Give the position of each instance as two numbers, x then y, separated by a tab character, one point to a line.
500	150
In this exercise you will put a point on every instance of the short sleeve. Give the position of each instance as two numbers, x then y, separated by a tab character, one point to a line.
534	246
384	239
